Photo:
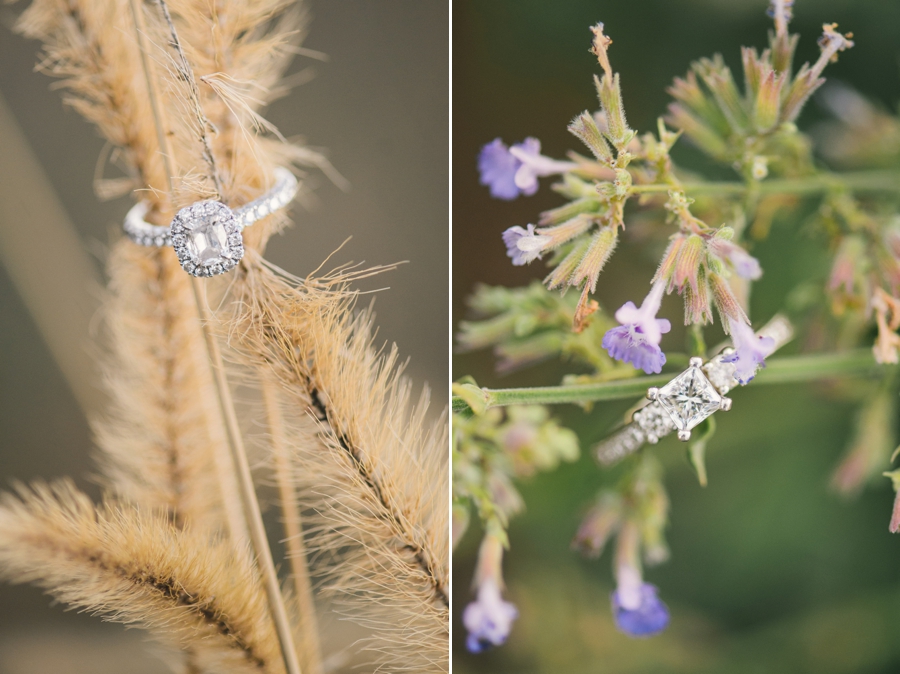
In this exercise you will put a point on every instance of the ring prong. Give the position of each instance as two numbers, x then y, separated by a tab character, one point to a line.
726	404
696	362
684	436
653	393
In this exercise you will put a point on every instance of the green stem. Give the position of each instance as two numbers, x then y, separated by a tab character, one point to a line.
863	181
792	369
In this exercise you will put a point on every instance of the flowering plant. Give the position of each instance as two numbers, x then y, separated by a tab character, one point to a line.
629	190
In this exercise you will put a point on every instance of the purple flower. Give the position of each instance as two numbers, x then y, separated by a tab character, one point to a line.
523	245
515	170
535	165
638	611
636	340
745	265
750	351
498	170
489	618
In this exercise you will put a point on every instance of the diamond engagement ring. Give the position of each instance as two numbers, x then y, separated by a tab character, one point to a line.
207	235
684	402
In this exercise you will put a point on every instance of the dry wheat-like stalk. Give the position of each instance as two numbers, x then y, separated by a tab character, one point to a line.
88	46
177	87
161	441
136	567
371	476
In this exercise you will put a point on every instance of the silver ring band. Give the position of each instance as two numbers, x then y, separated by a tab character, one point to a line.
707	384
207	235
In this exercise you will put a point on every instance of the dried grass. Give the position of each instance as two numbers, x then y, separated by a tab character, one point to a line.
177	88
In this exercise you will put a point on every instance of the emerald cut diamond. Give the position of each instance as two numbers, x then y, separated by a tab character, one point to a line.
207	238
689	399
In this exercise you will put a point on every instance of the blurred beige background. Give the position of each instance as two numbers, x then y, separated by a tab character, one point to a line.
379	106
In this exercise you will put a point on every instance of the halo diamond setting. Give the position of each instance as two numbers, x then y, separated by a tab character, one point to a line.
207	235
207	238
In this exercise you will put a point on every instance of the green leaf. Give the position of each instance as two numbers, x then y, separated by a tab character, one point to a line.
472	395
697	447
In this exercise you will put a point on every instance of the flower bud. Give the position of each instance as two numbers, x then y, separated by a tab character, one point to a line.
849	270
697	310
803	86
870	447
622	183
726	302
701	134
590	266
504	495
562	275
667	264
566	231
610	96
697	103
585	128
600	522
754	70
534	441
808	78
717	76
768	101
654	517
783	46
590	204
688	264
573	187
627	562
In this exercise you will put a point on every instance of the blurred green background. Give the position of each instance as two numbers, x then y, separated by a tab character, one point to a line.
770	571
378	106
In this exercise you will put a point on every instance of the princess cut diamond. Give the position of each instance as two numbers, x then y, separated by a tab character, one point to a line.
689	398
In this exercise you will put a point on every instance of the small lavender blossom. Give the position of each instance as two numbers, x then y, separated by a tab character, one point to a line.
511	171
535	165
636	340
488	619
498	170
643	614
750	351
745	265
523	245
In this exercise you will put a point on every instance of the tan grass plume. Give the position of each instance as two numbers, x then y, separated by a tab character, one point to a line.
136	567
368	458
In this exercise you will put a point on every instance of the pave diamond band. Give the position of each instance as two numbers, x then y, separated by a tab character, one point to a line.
684	402
207	235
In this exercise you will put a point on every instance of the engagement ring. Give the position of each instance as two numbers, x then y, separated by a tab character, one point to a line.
686	401
207	235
